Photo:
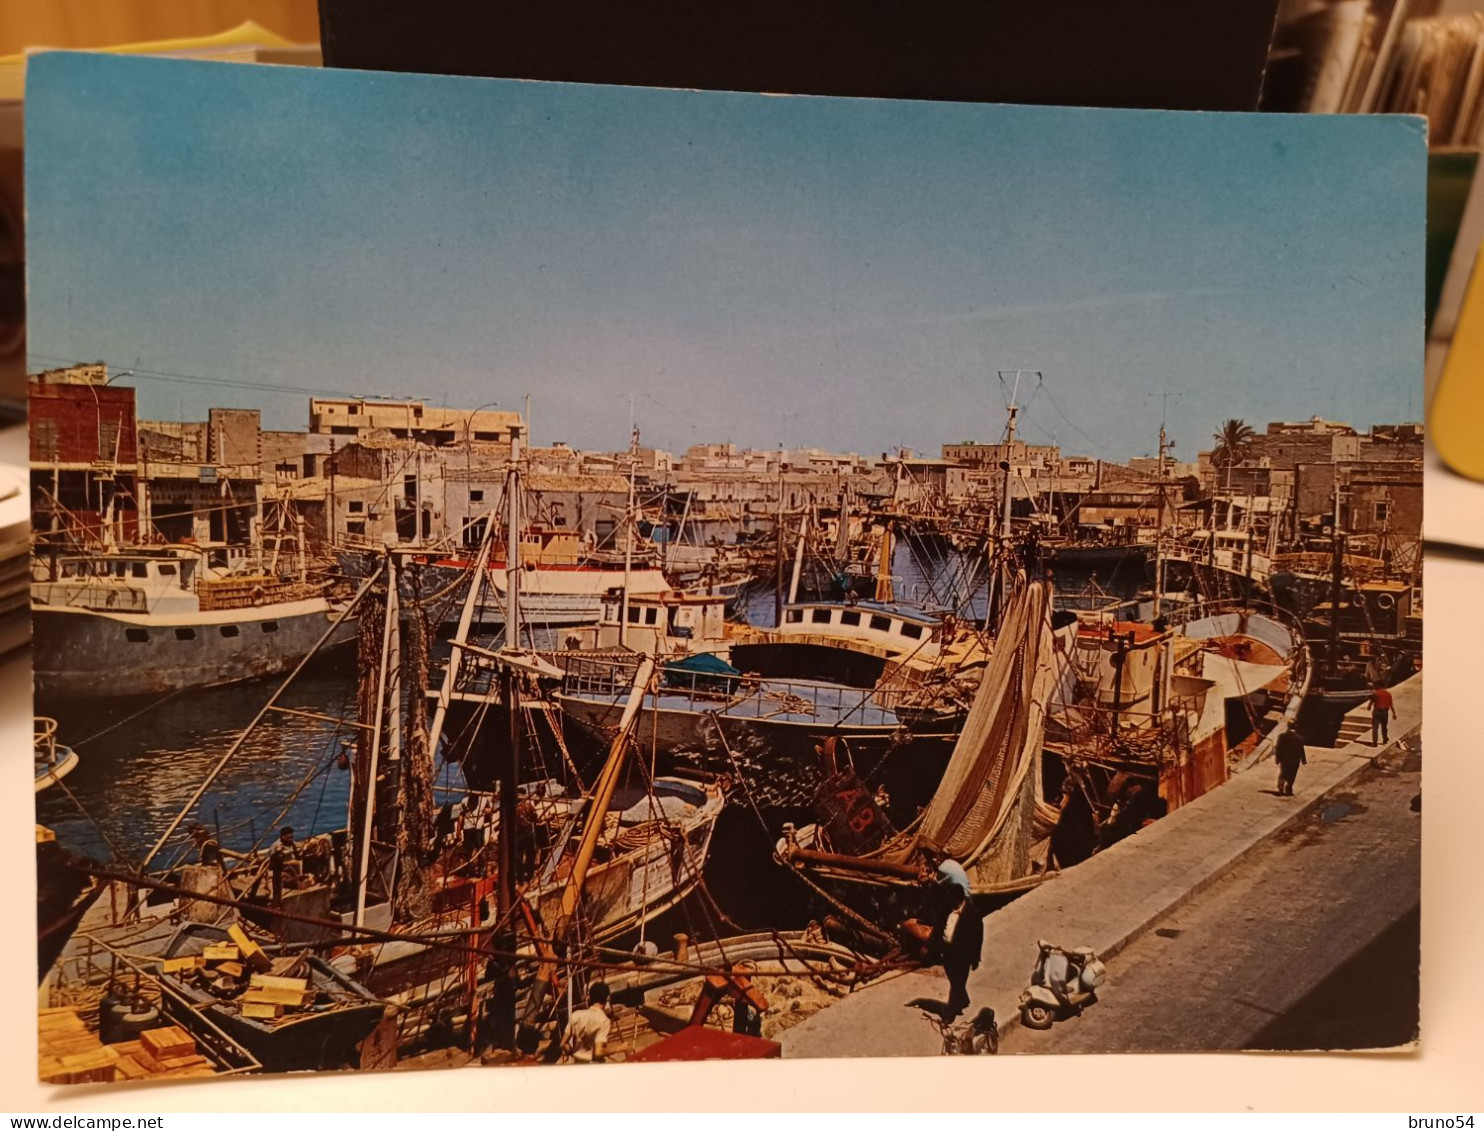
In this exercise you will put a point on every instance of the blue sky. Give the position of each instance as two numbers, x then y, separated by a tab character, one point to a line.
768	270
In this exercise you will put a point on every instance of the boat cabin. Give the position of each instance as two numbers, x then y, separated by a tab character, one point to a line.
669	623
546	546
139	582
1125	661
891	628
1232	550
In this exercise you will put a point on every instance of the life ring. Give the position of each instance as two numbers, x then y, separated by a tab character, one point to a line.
1385	602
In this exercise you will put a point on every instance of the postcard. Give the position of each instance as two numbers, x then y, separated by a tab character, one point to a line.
527	573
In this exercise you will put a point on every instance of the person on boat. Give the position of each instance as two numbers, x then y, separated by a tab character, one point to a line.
1383	708
586	1038
208	849
283	863
1290	756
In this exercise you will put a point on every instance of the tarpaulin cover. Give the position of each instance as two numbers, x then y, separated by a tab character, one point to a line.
697	1043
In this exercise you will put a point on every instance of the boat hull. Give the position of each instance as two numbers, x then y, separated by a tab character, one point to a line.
93	655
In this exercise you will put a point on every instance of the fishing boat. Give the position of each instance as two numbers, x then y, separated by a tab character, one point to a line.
983	810
53	761
324	1032
1081	732
65	892
154	620
697	707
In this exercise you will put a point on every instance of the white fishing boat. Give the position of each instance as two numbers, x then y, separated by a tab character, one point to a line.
151	621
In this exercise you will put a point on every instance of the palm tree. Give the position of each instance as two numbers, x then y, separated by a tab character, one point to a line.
1232	442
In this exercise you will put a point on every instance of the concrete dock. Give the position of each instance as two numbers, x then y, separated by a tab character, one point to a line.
1112	899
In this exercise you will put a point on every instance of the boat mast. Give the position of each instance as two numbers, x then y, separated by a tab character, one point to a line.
793	584
628	541
884	590
1159	527
512	545
461	636
597	809
778	548
363	854
1336	584
1001	566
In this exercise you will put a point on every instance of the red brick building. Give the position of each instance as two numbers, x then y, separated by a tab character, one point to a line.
84	454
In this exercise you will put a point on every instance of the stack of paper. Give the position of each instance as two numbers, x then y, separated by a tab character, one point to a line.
15	549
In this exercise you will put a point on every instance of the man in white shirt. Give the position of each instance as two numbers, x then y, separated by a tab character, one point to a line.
586	1039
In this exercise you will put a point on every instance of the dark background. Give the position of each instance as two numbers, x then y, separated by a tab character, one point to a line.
1165	54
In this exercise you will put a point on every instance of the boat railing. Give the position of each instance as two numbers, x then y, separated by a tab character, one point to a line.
612	677
45	742
1143	735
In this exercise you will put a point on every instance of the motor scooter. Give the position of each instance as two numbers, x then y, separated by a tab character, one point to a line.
1064	982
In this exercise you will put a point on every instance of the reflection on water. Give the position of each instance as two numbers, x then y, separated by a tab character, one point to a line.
136	774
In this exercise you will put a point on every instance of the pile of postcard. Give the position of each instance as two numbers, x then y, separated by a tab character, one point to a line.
1352	60
15	546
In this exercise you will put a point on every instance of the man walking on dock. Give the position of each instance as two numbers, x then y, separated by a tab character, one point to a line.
959	927
1382	709
1290	756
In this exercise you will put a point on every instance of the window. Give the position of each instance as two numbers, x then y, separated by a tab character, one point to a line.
820	616
167	570
229	630
1383	511
140	569
355	528
270	626
853	619
409	487
185	634
651	616
881	624
357	506
136	635
108	438
633	616
794	616
476	496
354	410
912	630
44	434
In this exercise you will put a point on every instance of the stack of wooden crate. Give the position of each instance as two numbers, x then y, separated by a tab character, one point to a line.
70	1053
166	1052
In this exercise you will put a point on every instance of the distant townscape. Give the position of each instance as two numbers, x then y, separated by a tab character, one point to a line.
370	472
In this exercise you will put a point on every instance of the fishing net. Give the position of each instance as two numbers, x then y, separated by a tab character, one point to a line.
983	811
